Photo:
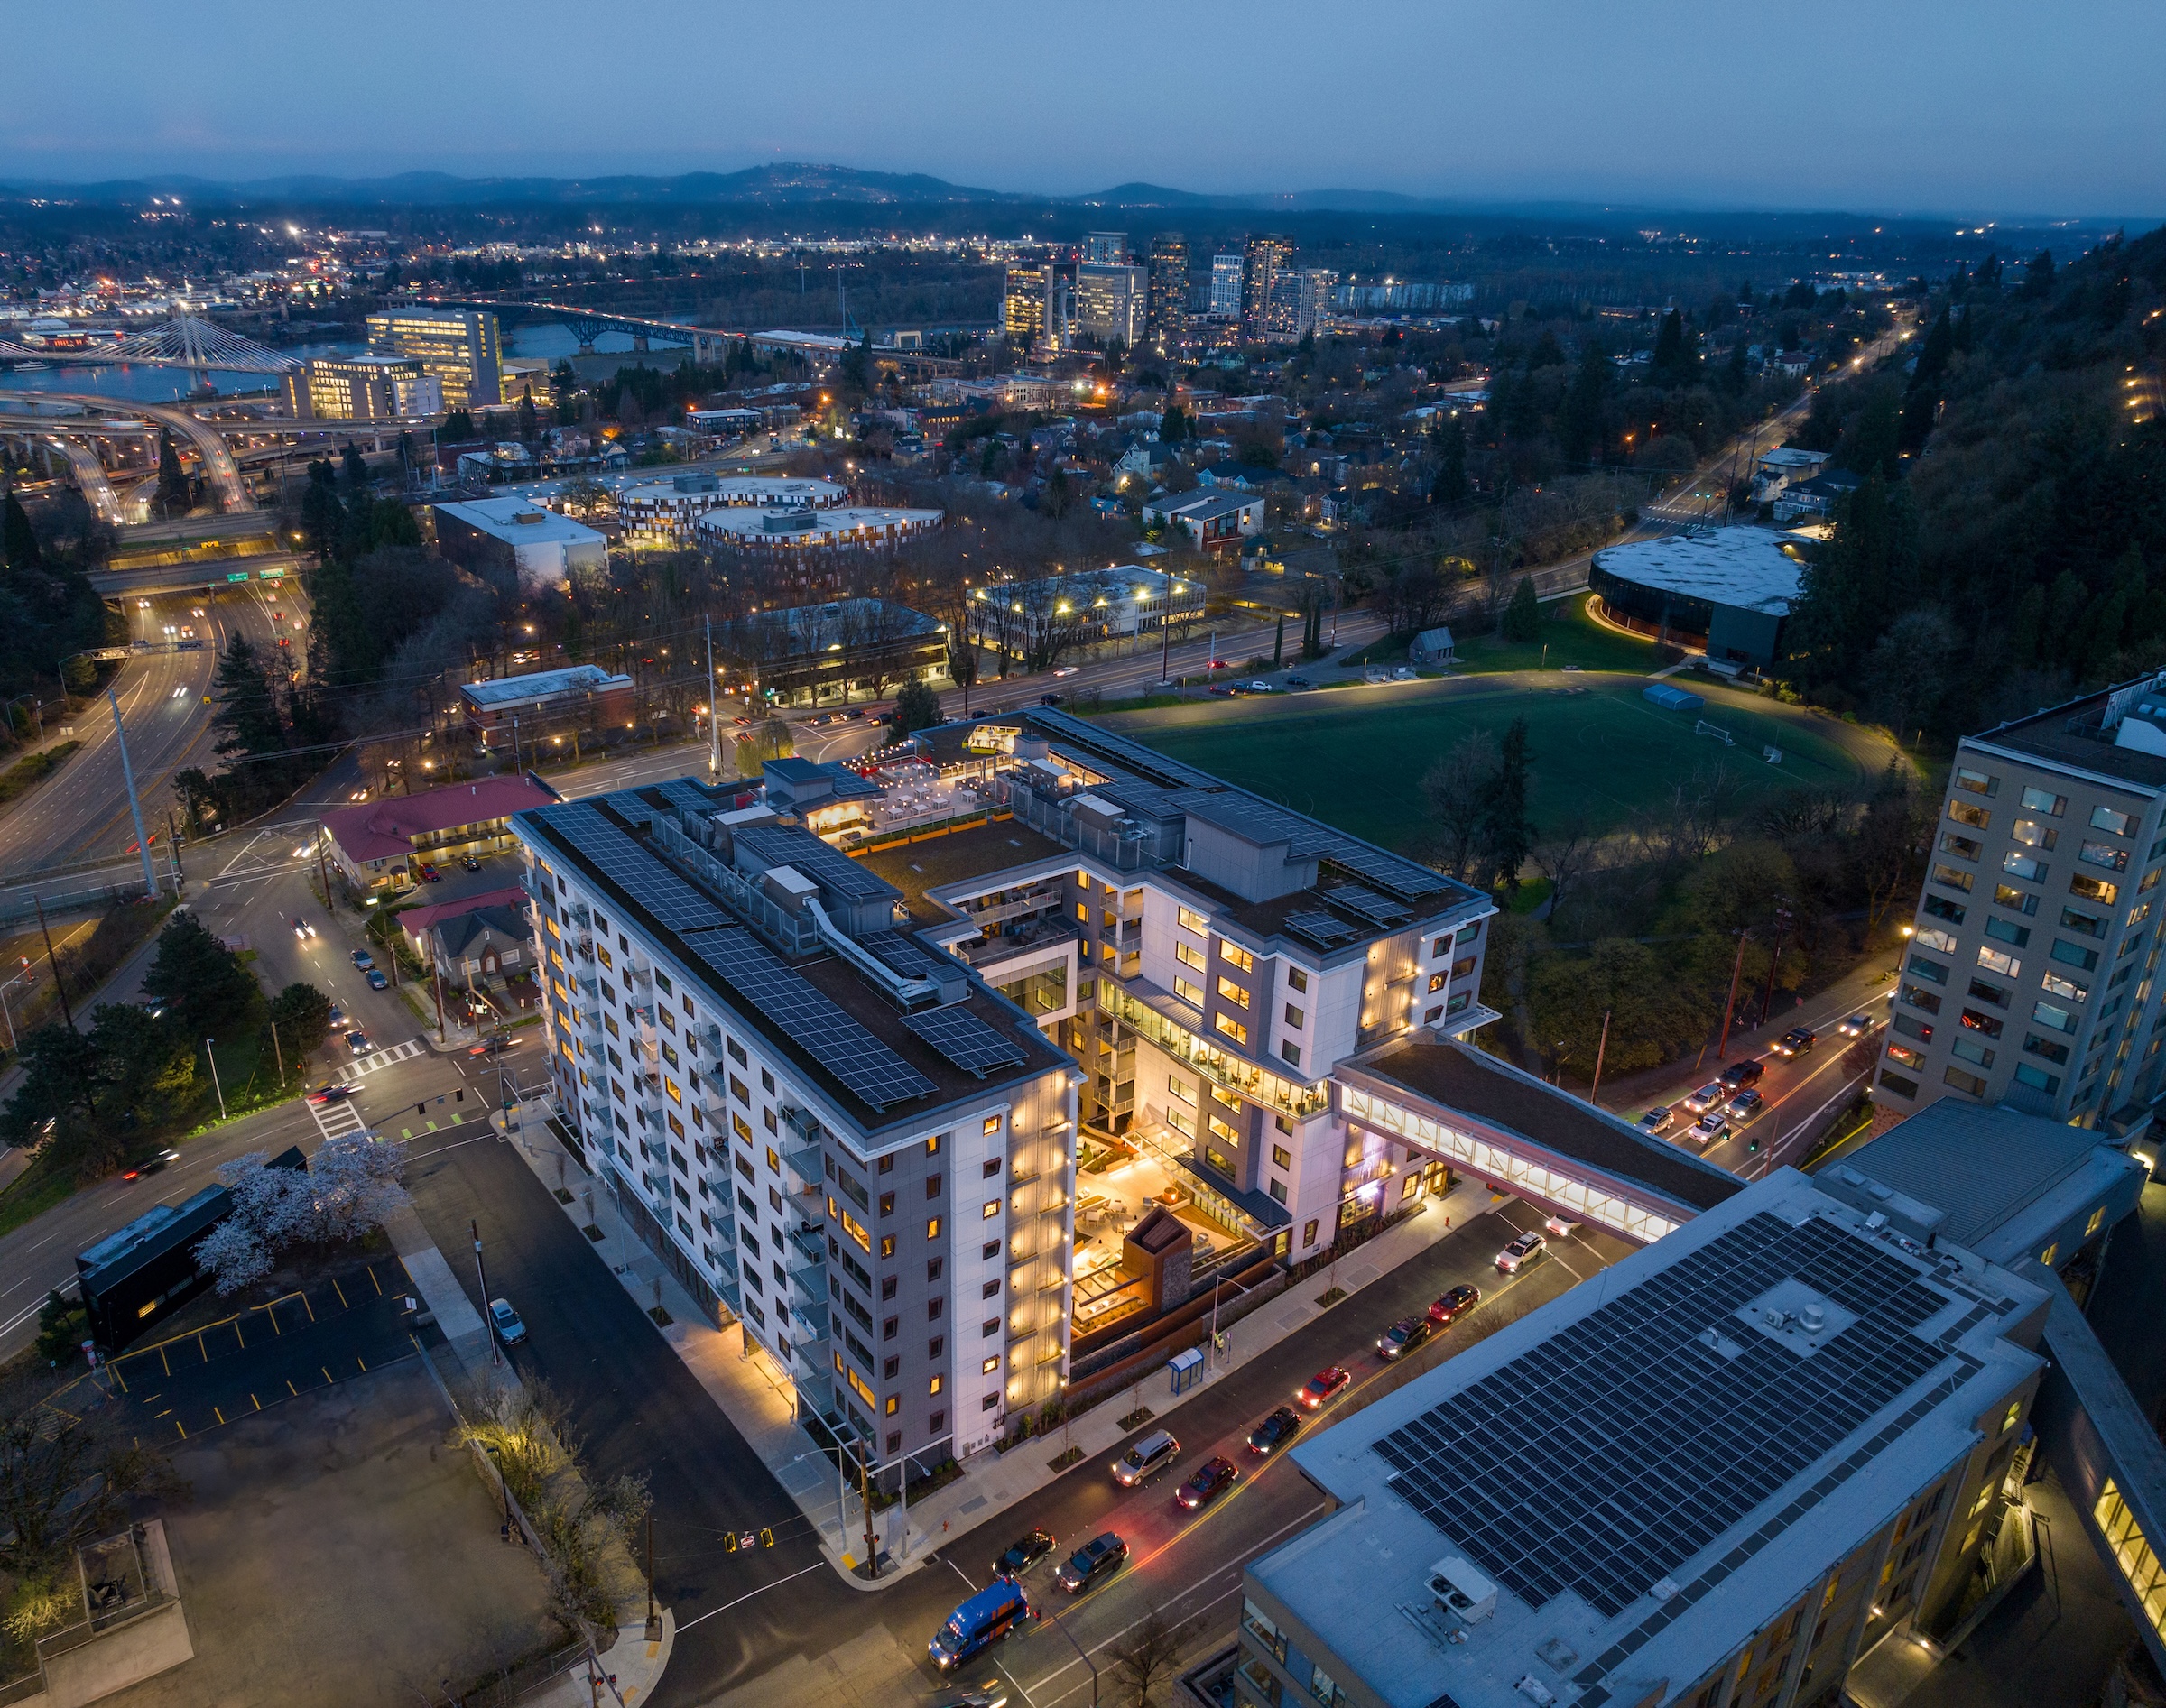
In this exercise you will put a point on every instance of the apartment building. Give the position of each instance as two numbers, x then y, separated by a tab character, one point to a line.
861	1151
1168	317
864	1102
2029	976
1262	260
1753	1451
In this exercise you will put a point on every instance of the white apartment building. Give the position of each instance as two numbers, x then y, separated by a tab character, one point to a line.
671	508
847	1098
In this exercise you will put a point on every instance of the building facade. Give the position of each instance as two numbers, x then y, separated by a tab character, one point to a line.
2031	974
1226	287
362	388
1104	249
542	702
1111	303
1167	318
513	536
668	509
1753	1451
460	347
1022	307
1262	260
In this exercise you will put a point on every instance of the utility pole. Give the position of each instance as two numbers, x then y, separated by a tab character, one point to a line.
714	709
323	868
653	1618
1783	920
488	1317
210	1055
1729	1004
1600	1051
127	773
277	1054
52	960
864	1494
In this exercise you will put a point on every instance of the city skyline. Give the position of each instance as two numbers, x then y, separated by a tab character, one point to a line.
2000	121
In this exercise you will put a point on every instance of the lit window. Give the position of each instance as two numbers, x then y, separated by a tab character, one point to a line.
991	1124
1188	993
894	1405
932	1228
990	1365
1233	993
934	1386
1191	921
1231	1028
991	1210
1237	956
1188	956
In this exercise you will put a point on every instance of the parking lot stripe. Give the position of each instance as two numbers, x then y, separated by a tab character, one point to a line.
340	1291
372	1276
217	1414
255	1402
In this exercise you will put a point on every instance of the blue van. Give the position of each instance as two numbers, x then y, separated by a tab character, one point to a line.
980	1621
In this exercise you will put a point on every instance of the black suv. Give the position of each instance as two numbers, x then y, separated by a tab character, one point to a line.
1275	1431
1743	1073
1023	1553
1099	1557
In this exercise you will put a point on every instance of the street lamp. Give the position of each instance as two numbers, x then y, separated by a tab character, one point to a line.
212	1056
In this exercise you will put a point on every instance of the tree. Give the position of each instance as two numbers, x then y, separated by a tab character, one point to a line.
1456	790
917	707
58	1083
66	1477
351	1186
1523	617
530	423
1145	1659
1883	849
458	428
1676	363
1505	835
302	1014
247	711
1579	423
1565	857
202	983
1449	488
1847	596
2038	276
1173	426
172	484
356	470
18	539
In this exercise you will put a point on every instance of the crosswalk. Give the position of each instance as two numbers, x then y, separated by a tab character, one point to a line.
338	1119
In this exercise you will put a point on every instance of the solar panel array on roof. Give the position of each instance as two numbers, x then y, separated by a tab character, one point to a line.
1150	764
871	1070
1320	928
634	869
1603	1458
895	951
692	796
1367	903
832	870
1402	877
965	1039
1260	820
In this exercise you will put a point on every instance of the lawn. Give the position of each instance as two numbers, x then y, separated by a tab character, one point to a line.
1354	757
1571	636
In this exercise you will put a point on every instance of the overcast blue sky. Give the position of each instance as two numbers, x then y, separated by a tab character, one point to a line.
1985	109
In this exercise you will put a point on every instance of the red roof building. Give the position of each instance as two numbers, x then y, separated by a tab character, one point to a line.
383	844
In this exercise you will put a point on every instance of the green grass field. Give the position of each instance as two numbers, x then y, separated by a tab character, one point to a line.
1354	757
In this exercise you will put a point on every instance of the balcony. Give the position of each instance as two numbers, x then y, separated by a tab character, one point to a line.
1034	901
803	1162
809	1319
1032	937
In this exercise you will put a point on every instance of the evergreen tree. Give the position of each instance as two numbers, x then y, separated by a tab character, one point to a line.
1580	422
1523	617
201	981
172	484
357	471
248	716
1449	488
2038	275
18	539
1173	426
1849	593
530	423
917	707
1506	835
1676	353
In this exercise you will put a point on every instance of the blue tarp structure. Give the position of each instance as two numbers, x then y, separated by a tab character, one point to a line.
1675	699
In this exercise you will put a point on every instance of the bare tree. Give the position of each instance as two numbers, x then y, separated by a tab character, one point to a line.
65	1475
1148	1658
1564	857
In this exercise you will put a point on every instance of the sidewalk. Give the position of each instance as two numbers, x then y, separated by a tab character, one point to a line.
754	1393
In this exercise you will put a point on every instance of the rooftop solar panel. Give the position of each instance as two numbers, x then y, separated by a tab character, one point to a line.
1320	928
832	870
635	868
890	947
1367	903
966	1040
840	1045
1601	1461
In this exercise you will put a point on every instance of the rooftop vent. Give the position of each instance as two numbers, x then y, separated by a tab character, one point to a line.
1461	1590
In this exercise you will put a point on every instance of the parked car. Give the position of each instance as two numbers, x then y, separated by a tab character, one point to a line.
1560	1227
1403	1336
1744	1073
1660	1119
1261	687
363	959
1275	1431
1297	682
1710	1126
1052	699
1699	1102
377	981
1100	1557
1215	1476
1147	1458
430	874
1455	1303
470	863
1325	1384
1521	1253
1023	1553
510	1330
155	1163
1744	1105
1857	1025
1796	1041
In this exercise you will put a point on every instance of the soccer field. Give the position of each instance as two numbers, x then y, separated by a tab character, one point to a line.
1354	757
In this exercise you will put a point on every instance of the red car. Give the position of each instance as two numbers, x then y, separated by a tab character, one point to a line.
1207	1484
1325	1384
1455	1305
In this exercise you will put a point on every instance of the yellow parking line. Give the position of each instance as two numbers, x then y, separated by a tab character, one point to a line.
217	1414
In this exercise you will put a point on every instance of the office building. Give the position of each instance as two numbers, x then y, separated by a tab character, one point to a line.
1104	249
2030	978
814	650
1167	316
1024	306
1226	287
515	536
541	701
668	509
1101	604
1716	1477
362	388
801	528
1110	304
459	347
1263	259
845	1098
